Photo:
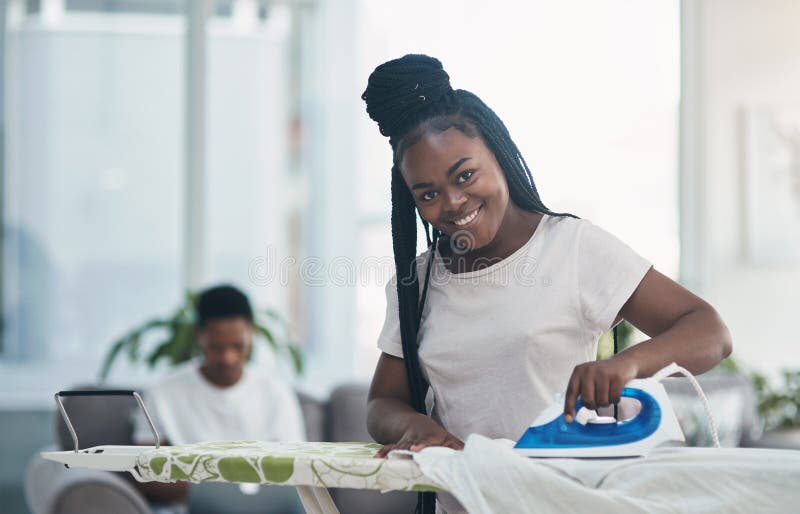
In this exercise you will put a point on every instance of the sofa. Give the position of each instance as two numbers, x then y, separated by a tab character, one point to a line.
52	489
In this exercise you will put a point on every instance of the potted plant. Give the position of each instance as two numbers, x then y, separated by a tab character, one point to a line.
778	404
779	408
177	344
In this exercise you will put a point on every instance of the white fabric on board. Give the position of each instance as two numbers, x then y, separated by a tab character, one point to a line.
488	477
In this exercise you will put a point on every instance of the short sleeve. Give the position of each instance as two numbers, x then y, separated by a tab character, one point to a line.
389	340
609	271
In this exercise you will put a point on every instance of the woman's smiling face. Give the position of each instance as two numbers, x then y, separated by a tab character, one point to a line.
457	184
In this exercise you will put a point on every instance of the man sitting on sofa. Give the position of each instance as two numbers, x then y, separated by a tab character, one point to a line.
218	398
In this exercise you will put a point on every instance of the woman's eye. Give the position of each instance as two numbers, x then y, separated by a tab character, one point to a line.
430	195
464	176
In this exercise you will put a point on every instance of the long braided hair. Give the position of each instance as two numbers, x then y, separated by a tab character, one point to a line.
408	97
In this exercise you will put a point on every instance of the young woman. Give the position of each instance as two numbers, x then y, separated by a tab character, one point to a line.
506	306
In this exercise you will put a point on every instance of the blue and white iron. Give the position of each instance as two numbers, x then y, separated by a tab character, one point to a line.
602	437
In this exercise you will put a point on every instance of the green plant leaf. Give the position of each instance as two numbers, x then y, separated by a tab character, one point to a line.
160	351
267	335
273	314
729	365
297	357
131	340
182	342
133	344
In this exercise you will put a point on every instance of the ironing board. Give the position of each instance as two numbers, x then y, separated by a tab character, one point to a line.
310	467
488	476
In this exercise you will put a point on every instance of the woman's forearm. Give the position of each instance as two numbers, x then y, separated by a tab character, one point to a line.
697	341
388	419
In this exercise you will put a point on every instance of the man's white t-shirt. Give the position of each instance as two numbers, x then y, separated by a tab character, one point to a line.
497	344
187	408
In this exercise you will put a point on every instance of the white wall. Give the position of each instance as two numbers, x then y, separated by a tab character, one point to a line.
737	54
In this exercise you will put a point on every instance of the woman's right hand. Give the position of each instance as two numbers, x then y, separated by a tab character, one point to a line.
421	433
390	416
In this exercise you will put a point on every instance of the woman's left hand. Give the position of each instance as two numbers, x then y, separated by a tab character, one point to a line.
598	383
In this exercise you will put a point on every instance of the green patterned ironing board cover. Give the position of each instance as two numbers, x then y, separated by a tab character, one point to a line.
350	465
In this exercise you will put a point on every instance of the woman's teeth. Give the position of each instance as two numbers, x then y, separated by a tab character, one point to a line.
468	218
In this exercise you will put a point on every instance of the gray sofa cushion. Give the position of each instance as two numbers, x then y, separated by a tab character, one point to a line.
346	414
313	416
99	497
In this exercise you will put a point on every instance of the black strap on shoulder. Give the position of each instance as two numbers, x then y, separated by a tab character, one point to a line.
426	502
616	350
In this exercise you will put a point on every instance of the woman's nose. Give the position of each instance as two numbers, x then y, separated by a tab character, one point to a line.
453	200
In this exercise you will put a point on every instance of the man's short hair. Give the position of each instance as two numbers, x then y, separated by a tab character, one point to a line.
224	301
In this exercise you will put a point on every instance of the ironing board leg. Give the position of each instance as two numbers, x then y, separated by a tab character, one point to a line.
308	499
325	501
316	500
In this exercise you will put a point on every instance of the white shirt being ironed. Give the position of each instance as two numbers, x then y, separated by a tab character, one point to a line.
497	344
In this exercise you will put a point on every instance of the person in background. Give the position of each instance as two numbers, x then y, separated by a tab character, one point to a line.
218	398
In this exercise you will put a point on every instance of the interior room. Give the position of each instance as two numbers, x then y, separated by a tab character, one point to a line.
152	150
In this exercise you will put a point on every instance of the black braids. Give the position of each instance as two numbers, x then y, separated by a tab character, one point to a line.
519	187
526	168
398	89
616	350
404	241
404	238
431	251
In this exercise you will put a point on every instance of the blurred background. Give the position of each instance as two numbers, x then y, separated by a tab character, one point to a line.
154	147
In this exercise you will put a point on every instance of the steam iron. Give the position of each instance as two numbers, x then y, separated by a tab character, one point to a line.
602	437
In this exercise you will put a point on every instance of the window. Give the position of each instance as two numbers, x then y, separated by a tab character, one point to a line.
93	176
92	186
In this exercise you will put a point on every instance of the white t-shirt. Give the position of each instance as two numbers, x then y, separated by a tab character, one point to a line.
497	344
187	408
